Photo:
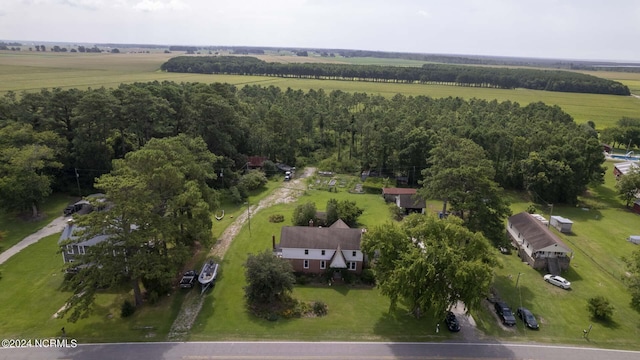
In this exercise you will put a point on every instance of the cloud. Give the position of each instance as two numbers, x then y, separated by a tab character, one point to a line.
424	14
83	4
159	5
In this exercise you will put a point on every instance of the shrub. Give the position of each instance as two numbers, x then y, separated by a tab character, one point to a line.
253	180
127	309
396	212
276	218
319	308
368	277
600	308
532	209
303	213
236	195
270	168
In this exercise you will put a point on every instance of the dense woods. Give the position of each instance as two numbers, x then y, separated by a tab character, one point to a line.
504	78
78	133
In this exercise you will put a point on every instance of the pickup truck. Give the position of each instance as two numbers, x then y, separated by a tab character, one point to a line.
188	279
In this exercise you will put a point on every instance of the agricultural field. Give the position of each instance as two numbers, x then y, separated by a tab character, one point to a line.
31	71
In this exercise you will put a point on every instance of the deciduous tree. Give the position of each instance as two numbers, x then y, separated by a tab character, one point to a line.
430	264
27	159
270	279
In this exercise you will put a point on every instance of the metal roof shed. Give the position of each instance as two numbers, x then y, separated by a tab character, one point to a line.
562	224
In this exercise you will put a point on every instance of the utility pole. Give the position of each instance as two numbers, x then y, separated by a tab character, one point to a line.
550	213
78	181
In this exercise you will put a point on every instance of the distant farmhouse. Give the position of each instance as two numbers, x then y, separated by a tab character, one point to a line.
537	244
318	249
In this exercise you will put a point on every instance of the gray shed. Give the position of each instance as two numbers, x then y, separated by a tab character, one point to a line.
562	224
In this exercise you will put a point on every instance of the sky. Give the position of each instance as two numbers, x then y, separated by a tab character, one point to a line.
559	29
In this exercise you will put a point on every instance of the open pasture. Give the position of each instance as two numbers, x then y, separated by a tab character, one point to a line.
32	71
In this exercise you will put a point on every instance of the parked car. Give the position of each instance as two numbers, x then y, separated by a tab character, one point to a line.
452	322
527	317
188	279
505	314
557	281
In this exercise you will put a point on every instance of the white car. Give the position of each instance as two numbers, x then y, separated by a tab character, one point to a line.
557	281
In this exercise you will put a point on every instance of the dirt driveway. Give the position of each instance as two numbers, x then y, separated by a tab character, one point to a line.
192	304
282	195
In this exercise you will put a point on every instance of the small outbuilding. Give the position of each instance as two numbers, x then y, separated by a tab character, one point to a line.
561	224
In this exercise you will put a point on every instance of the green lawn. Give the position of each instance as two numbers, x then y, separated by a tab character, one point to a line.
32	293
354	313
18	227
599	243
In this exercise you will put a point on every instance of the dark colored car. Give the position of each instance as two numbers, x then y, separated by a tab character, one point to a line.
527	317
452	322
505	314
188	279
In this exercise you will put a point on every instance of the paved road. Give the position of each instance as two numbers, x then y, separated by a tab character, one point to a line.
55	226
316	351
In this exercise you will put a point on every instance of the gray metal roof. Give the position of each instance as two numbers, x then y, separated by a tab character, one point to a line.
70	232
306	237
534	232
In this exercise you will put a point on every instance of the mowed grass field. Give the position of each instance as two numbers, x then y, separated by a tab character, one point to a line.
601	224
32	71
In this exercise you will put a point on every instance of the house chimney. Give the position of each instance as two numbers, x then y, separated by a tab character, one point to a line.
311	223
273	241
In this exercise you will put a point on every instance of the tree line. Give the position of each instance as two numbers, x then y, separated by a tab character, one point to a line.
503	78
163	153
535	147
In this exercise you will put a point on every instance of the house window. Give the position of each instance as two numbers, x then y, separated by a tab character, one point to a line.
353	253
352	265
323	253
81	250
305	264
323	264
306	251
70	249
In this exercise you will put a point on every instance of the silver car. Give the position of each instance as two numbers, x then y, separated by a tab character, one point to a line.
557	281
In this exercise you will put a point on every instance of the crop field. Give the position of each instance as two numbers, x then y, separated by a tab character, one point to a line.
32	71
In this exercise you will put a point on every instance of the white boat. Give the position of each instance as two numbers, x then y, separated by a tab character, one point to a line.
209	273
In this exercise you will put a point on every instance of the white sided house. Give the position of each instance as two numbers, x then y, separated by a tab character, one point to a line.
319	249
72	249
537	244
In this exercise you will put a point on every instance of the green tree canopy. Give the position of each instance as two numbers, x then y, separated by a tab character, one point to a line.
27	161
461	174
429	263
303	213
270	279
160	206
628	186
